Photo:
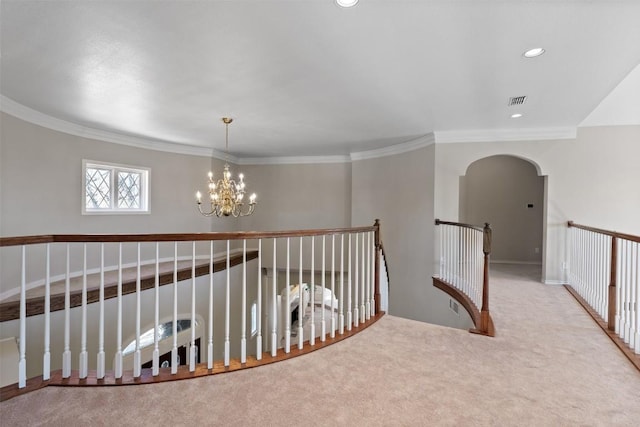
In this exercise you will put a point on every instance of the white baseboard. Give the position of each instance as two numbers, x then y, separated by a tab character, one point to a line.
555	282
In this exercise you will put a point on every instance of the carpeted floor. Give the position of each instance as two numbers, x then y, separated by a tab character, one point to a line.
549	365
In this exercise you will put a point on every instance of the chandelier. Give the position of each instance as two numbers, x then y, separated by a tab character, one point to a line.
226	195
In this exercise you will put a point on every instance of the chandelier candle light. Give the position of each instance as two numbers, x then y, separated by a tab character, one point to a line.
226	195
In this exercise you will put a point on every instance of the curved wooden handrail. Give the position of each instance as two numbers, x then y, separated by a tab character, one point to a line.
174	237
616	234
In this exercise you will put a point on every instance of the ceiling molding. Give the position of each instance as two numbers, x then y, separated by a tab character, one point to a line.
30	115
405	147
490	135
293	160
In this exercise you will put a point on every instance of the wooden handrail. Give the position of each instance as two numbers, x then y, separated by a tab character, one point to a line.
459	224
483	321
174	237
619	235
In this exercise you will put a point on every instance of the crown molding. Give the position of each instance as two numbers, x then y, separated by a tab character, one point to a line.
30	115
490	135
405	147
293	160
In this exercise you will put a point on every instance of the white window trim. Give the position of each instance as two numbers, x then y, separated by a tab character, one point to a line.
145	207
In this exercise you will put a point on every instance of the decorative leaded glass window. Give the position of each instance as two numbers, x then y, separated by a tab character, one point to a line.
110	188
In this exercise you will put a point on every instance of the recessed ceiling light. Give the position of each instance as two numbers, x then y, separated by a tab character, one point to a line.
516	116
532	53
346	3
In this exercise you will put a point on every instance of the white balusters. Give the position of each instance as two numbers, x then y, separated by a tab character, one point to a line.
83	362
174	349
287	304
117	362
46	362
259	310
192	348
312	326
227	310
333	286
274	299
356	314
363	264
100	372
137	363
155	358
349	319
22	364
66	355
243	309
210	338
300	301
341	299
323	324
368	281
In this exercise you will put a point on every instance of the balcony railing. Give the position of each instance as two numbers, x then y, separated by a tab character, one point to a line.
464	270
155	304
604	275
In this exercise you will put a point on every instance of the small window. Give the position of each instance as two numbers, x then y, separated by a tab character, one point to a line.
111	188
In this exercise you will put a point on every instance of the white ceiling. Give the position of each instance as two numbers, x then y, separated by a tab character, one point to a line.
307	78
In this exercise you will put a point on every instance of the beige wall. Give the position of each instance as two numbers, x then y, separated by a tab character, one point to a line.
399	191
498	190
592	180
42	185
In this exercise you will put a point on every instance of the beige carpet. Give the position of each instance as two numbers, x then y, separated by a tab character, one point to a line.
550	365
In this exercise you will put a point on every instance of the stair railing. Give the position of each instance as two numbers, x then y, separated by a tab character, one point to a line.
604	275
267	289
464	270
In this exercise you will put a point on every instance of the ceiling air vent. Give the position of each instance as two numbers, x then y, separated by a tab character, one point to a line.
517	100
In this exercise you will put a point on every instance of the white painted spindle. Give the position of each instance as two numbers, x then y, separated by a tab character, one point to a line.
287	305
22	363
210	332
341	299
349	319
155	358
259	308
46	360
66	355
323	324
174	348
117	362
300	301
243	310
192	348
356	290
333	286
227	311
100	372
312	326
137	362
274	301
83	362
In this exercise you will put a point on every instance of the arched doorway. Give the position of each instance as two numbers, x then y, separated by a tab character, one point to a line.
506	192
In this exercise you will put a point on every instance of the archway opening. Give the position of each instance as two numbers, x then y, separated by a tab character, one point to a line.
507	192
